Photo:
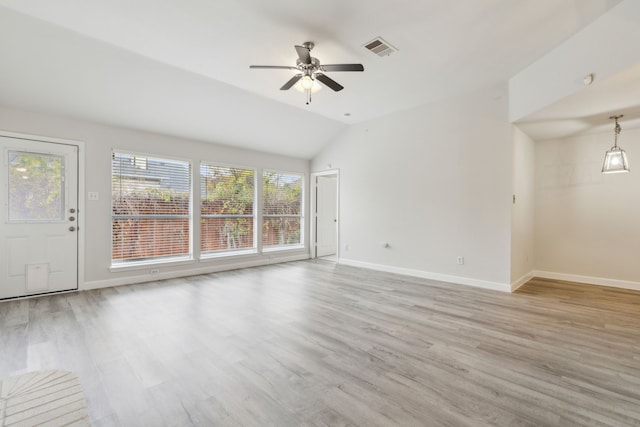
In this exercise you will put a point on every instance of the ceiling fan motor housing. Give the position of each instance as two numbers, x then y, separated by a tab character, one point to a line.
311	67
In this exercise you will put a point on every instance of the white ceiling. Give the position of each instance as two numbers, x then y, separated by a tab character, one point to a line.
181	67
588	110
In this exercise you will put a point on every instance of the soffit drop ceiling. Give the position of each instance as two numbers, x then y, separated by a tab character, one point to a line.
588	110
181	67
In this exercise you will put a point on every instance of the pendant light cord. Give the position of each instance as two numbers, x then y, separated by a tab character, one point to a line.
616	130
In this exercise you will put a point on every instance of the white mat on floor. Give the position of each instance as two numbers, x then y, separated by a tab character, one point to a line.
47	398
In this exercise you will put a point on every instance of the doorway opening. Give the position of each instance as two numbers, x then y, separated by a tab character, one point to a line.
325	226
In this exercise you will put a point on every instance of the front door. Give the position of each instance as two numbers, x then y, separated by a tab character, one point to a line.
39	218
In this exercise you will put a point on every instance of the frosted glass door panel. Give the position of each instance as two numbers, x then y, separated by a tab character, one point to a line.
36	187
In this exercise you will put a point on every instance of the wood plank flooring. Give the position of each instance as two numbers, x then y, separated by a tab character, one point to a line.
314	344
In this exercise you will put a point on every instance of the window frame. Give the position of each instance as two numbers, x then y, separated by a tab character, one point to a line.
303	185
228	252
159	260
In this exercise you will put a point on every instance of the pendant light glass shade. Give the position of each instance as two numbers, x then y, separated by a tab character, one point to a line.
615	160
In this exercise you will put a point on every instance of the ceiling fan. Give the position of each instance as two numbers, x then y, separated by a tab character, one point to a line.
310	70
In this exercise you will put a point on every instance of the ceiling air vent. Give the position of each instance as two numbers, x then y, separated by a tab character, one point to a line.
380	47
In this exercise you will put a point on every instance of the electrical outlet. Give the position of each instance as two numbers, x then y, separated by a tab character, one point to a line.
346	248
93	195
460	260
155	271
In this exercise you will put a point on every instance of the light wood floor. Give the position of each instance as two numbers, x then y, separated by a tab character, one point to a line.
315	344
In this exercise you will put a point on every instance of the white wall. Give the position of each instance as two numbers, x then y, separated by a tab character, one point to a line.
586	223
522	211
99	141
434	183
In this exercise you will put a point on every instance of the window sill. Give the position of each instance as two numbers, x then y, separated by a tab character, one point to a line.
282	248
142	265
228	254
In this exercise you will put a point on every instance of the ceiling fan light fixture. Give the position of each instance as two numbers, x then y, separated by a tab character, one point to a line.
615	159
300	86
306	82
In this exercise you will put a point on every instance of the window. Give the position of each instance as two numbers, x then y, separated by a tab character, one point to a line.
36	187
227	218
282	209
151	208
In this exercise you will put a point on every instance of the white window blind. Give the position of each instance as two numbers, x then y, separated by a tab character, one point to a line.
151	208
282	209
227	216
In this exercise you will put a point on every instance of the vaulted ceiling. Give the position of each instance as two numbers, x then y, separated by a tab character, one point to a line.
181	67
588	111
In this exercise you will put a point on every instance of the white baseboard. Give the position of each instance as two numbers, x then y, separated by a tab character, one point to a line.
601	281
496	286
521	281
504	287
202	269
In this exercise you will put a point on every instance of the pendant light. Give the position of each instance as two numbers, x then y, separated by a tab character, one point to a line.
615	160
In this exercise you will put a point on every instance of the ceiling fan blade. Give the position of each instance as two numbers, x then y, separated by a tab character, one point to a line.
304	54
342	67
329	82
293	80
282	67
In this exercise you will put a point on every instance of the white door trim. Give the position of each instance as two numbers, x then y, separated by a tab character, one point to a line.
81	190
313	198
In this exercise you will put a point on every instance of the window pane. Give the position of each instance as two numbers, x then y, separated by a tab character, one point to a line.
148	238
226	234
36	187
282	209
277	231
151	208
227	197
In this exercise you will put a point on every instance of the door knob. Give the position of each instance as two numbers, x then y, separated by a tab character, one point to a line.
72	210
72	228
72	218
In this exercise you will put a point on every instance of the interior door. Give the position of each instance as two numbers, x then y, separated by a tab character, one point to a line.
38	224
326	215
